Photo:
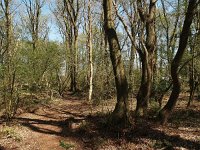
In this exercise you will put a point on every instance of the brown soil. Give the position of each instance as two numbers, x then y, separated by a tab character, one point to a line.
71	124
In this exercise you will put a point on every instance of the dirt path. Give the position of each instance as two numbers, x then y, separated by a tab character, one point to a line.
68	124
48	126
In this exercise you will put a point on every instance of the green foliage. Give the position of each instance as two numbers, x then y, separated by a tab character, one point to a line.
65	145
9	132
33	71
36	66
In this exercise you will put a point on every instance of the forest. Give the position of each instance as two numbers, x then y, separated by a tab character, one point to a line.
99	74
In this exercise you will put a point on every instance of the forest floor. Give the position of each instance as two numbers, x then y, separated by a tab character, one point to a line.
70	123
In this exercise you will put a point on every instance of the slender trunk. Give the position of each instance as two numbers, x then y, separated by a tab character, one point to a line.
192	92
8	73
168	108
71	61
191	79
8	76
120	113
145	87
72	10
75	58
90	52
131	64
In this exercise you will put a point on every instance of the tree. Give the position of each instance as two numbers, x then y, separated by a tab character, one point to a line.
168	108
72	8
10	95
90	51
33	24
193	50
120	113
130	12
167	24
147	54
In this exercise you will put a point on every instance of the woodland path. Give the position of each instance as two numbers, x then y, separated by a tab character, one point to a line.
46	126
68	122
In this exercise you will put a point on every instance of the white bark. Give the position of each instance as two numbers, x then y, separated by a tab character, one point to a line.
90	51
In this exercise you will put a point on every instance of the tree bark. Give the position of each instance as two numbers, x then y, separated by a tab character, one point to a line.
168	108
72	8
9	70
90	51
120	113
130	30
131	64
147	57
194	45
191	78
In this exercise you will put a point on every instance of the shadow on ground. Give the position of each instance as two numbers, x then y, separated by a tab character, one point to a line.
92	131
186	118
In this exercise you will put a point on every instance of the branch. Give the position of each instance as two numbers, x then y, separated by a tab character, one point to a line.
141	11
124	24
74	15
186	62
175	26
2	7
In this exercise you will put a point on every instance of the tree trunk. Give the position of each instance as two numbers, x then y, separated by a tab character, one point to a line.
131	64
72	10
131	35
90	52
74	55
168	108
120	113
145	88
9	70
191	79
75	58
147	57
193	74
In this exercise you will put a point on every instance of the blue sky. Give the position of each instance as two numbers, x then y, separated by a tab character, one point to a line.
54	33
46	11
